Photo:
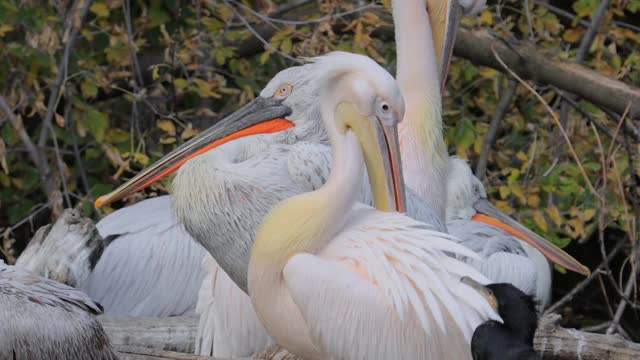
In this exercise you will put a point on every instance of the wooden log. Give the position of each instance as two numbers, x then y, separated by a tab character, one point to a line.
530	62
176	333
126	352
555	342
552	341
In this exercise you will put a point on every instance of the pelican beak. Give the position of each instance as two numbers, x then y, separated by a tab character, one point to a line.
444	16
489	214
260	116
483	290
381	151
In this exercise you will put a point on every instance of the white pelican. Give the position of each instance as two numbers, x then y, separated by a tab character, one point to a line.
211	195
426	163
330	278
241	171
43	319
147	264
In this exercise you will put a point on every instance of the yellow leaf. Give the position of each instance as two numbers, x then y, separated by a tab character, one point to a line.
167	139
154	73
554	214
521	156
519	193
5	28
588	214
189	133
486	18
100	9
533	200
577	227
59	119
180	83
504	191
141	158
539	219
572	35
489	73
167	126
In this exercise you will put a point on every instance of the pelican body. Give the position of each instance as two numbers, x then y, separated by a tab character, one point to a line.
43	319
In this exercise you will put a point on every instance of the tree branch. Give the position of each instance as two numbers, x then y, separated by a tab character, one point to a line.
498	115
36	157
532	63
552	341
71	32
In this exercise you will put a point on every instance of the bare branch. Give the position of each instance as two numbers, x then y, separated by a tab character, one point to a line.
72	32
36	157
498	115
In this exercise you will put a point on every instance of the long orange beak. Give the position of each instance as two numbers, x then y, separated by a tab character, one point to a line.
489	214
261	116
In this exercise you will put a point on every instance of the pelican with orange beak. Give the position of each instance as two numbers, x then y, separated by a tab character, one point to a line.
320	256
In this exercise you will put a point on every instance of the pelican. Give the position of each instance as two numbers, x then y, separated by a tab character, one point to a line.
43	319
501	241
320	257
145	266
221	196
242	169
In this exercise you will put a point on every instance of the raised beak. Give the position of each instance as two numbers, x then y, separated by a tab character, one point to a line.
483	290
389	145
379	143
489	214
444	16
260	116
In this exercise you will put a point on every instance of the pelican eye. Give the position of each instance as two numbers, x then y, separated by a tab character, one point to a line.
283	91
385	107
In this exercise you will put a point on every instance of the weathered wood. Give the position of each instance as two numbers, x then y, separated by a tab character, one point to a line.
177	333
533	63
126	352
66	251
552	341
558	343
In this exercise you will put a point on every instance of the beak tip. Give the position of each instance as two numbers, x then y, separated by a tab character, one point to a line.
99	202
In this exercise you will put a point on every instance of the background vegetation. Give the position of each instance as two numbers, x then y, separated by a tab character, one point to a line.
93	91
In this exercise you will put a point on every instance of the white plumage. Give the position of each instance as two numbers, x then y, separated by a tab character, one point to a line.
504	257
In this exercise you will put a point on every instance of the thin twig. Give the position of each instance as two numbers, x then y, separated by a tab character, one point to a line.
126	7
532	36
37	158
258	36
622	305
583	284
267	18
572	16
583	49
555	118
498	115
54	97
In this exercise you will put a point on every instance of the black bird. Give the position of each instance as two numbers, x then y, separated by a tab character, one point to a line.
513	339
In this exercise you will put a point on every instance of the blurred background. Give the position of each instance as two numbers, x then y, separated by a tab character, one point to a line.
94	91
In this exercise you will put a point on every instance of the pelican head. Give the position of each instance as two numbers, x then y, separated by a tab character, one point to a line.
287	106
367	102
467	199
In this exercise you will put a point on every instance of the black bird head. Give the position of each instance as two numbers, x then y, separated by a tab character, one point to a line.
517	309
512	339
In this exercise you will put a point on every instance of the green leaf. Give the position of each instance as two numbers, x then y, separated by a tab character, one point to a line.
88	88
95	122
116	135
